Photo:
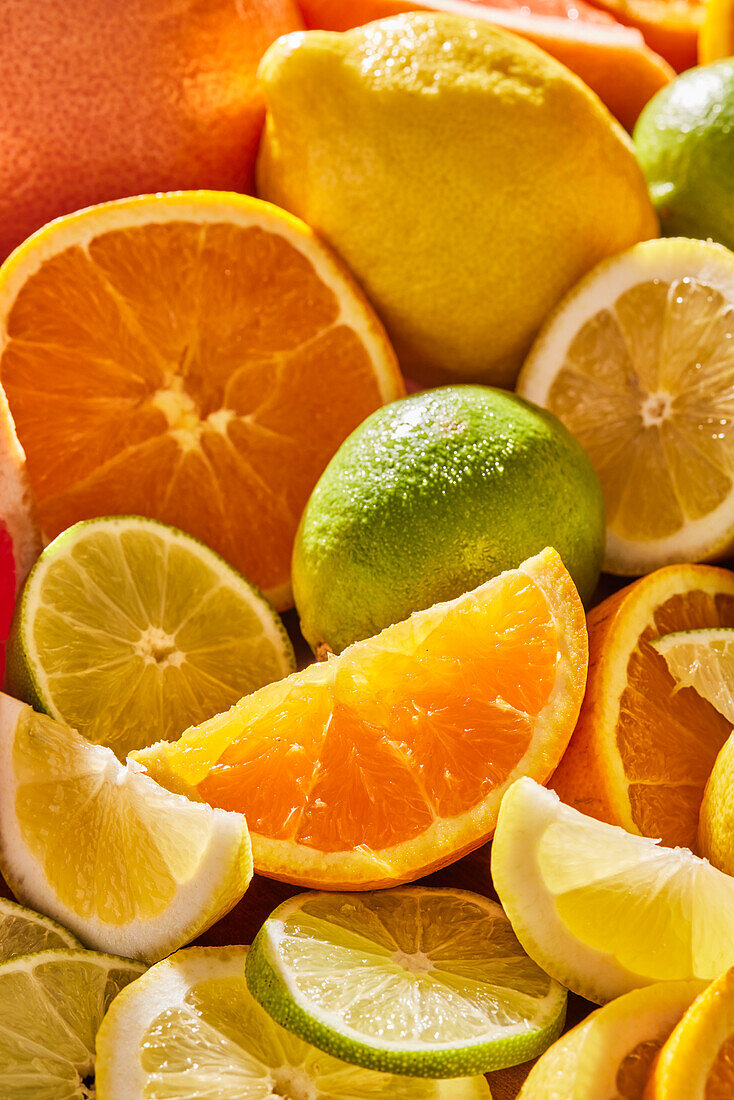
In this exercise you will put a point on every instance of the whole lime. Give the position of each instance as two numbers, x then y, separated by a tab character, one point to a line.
685	144
431	496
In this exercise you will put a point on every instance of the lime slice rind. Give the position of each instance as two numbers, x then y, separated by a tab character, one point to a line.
407	1011
51	1005
192	1031
131	630
704	660
25	932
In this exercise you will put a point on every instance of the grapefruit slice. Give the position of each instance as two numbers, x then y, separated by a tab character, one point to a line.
20	540
612	59
196	358
391	759
644	746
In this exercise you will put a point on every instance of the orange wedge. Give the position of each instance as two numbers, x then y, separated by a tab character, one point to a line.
195	357
643	749
716	40
391	759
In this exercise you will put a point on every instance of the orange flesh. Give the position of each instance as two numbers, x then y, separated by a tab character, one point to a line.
198	374
668	739
634	1070
720	1082
395	737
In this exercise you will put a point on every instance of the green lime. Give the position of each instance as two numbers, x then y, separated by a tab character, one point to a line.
130	631
430	497
51	1005
23	932
685	145
423	982
190	1030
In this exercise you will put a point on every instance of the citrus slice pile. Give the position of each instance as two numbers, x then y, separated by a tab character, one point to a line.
603	911
51	1004
697	1062
23	932
419	981
391	759
129	631
638	363
610	1054
644	747
126	865
195	357
190	1030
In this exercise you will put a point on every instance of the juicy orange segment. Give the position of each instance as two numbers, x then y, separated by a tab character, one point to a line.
643	748
392	758
197	358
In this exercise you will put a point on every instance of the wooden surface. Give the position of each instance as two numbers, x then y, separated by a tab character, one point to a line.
470	873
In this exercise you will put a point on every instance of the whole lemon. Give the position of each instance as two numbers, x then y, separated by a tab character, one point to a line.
466	177
685	144
431	496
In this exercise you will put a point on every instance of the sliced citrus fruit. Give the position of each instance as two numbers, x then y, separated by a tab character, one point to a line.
704	660
697	1061
638	363
23	932
190	1030
130	631
391	759
670	27
196	357
603	911
716	39
101	848
643	748
427	982
51	1005
610	1054
20	539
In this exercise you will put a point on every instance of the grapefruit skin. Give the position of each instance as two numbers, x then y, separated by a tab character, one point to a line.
431	496
107	98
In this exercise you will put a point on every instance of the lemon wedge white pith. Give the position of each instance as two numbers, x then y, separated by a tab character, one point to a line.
423	981
604	911
127	866
190	1030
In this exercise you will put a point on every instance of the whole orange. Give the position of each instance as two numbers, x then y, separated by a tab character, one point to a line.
104	99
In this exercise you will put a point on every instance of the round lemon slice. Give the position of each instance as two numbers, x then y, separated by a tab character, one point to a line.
190	1030
604	911
638	363
127	866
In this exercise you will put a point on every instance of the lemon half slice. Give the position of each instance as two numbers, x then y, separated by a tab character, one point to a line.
638	363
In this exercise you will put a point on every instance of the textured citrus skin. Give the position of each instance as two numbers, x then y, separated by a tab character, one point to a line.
102	100
716	823
484	179
595	56
685	144
431	496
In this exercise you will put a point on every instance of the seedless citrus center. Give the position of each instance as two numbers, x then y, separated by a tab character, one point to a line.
293	1084
157	647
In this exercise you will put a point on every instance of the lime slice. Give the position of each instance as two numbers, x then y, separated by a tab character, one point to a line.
418	981
129	867
610	1053
703	660
51	1005
131	631
604	911
190	1030
23	932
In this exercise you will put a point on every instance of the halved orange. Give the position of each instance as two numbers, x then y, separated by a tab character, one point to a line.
391	759
643	748
195	357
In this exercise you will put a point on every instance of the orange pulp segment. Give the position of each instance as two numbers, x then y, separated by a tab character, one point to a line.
196	358
391	759
643	748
